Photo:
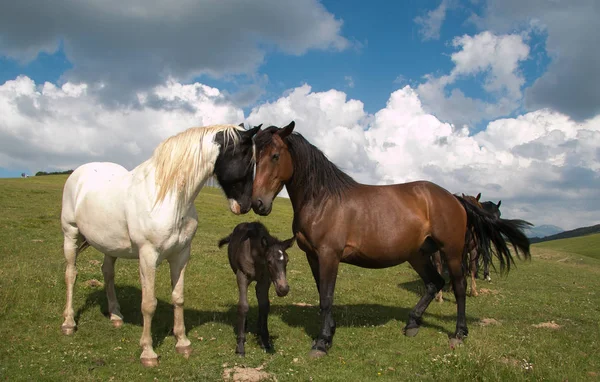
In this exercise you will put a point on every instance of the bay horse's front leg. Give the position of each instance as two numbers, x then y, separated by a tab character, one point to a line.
178	265
459	283
328	269
148	259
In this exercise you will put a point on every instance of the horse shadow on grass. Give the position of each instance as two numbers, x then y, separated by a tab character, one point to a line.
306	317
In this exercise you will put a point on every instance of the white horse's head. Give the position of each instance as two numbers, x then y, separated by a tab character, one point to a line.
234	169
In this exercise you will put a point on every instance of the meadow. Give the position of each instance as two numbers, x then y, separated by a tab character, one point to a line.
540	322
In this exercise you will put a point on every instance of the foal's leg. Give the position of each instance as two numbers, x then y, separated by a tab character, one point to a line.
71	240
148	260
474	260
243	283
434	282
437	260
114	310
262	295
178	265
456	269
328	269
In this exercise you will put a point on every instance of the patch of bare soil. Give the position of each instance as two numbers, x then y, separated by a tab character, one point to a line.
488	291
93	283
302	304
509	361
489	321
247	374
95	262
548	325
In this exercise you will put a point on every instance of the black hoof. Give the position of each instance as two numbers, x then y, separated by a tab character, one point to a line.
411	332
316	353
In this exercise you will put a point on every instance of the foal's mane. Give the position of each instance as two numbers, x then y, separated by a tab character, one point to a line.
182	160
313	172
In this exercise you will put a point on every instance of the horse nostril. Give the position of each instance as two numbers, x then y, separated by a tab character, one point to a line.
259	202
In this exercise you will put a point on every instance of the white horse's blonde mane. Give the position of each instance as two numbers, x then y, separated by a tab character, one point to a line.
181	161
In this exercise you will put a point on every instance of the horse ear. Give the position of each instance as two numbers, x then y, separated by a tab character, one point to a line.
478	196
289	242
499	202
241	124
248	134
287	130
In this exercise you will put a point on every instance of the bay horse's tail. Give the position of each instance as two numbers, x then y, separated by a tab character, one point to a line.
224	241
489	229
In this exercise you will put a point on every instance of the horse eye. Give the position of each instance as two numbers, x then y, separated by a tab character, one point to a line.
275	157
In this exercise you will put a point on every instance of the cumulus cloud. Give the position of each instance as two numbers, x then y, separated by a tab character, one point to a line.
497	58
50	127
543	165
571	83
431	23
130	46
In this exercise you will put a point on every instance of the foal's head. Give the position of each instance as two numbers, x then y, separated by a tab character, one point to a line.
274	166
234	168
277	259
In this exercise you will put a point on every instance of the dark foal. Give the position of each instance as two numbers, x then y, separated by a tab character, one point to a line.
255	255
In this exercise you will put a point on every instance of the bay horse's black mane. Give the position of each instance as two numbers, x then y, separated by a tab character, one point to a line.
313	172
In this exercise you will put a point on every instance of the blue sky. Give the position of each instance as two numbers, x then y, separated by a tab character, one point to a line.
501	96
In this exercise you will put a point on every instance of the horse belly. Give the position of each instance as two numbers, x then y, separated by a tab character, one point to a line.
360	259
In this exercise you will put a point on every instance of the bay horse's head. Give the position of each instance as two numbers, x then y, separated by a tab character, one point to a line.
234	168
274	166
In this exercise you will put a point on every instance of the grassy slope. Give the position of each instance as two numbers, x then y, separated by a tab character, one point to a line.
370	307
588	245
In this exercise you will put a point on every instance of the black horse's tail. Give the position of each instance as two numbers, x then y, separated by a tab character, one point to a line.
489	229
224	241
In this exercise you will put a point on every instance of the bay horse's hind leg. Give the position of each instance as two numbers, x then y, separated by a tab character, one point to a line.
473	265
459	283
114	309
434	282
437	260
72	241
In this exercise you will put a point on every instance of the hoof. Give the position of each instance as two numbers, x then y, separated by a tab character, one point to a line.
117	323
149	362
316	353
411	332
455	342
184	350
67	330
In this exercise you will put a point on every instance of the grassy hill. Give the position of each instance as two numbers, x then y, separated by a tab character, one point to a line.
582	231
588	245
556	289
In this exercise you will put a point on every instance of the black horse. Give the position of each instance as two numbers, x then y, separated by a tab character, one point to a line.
255	255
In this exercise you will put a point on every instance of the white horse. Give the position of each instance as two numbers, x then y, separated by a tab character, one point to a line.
149	213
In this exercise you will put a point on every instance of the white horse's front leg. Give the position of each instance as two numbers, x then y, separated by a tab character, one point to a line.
178	264
148	258
114	310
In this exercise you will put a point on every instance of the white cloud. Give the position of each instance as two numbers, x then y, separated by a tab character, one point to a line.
431	23
544	166
45	126
349	81
132	46
497	58
568	29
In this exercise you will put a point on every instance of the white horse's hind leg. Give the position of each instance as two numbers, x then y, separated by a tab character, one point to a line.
71	241
148	264
178	264
114	310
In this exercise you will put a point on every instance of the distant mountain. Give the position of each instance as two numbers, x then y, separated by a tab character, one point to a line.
566	234
542	230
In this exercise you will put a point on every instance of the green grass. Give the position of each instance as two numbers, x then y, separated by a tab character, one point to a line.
371	307
588	245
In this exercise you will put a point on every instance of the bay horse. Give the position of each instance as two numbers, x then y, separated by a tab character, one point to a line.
255	255
337	219
473	257
149	214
